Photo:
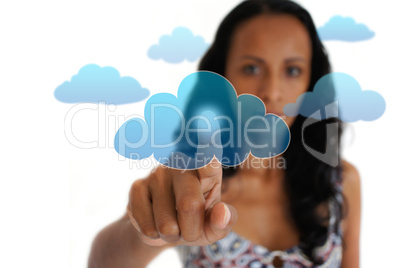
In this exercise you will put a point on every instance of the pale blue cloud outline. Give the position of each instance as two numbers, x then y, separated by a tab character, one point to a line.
96	84
344	29
181	45
353	103
210	95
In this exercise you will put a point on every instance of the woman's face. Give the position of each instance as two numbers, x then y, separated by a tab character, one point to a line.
270	57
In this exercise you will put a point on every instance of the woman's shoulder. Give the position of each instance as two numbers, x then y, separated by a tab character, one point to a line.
350	179
350	172
351	190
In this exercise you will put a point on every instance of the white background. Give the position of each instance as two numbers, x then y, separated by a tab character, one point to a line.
55	197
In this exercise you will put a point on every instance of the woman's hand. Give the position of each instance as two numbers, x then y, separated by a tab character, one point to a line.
176	207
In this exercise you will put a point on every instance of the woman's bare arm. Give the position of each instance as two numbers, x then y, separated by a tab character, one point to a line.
351	224
168	208
118	245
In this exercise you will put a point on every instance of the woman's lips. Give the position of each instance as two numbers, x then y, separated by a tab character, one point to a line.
277	113
280	114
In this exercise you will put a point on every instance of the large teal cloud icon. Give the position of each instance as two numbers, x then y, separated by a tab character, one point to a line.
206	119
181	45
100	84
338	95
344	29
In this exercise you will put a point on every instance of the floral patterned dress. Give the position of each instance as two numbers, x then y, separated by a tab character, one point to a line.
236	251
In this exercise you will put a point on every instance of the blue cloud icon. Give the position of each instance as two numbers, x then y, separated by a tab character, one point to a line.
338	95
181	45
344	29
100	84
206	119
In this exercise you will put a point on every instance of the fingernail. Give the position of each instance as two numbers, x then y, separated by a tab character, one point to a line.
227	215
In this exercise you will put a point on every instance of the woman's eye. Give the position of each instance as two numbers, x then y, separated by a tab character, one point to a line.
251	69
293	71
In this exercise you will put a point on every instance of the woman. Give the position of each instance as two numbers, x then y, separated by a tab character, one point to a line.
268	214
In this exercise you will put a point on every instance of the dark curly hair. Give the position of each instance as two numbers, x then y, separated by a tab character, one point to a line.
308	181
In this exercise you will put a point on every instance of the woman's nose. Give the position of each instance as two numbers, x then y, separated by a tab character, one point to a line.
269	90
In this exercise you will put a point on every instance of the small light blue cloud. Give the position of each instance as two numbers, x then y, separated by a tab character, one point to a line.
352	103
344	29
181	45
206	119
100	84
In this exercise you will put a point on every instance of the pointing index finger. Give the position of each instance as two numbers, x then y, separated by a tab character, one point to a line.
210	146
210	177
